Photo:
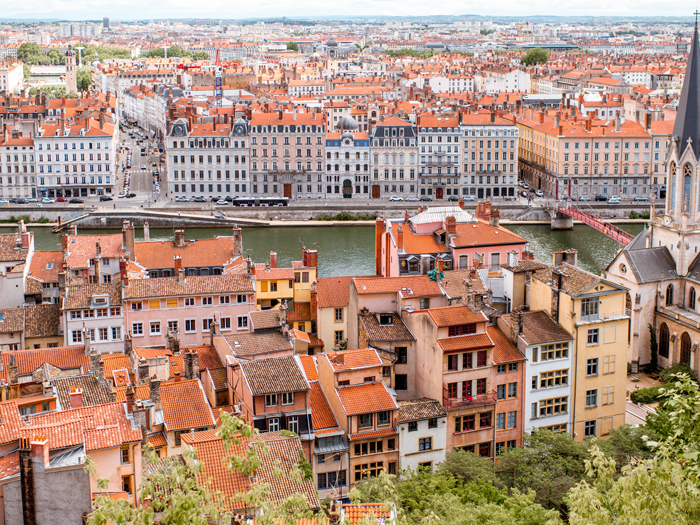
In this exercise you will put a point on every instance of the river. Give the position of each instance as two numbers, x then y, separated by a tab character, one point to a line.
349	250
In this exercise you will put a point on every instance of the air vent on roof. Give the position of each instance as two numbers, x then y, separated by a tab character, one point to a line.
473	225
496	232
236	343
403	289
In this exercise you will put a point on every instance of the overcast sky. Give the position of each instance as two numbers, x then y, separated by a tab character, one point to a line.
138	9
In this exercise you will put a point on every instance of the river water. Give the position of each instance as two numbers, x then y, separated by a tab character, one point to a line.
349	250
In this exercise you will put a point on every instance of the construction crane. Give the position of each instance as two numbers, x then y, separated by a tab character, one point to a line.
219	81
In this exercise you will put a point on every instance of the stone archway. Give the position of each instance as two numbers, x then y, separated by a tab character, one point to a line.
664	340
686	344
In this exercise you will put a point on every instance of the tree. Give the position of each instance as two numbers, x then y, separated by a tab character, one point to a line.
341	346
468	467
293	46
55	57
27	71
547	462
200	55
29	53
627	444
654	347
649	492
84	78
534	56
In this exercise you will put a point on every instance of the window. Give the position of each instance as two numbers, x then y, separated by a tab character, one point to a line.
512	390
593	336
512	367
207	301
592	398
225	323
453	362
339	315
501	369
189	301
592	367
554	351
241	299
432	422
242	322
225	299
77	336
512	419
154	304
425	443
206	324
116	333
190	325
137	306
155	327
485	419
463	329
465	423
125	455
412	426
171	303
293	424
370	470
102	334
500	421
288	398
425	303
608	395
554	406
609	364
383	418
273	424
481	357
137	328
428	465
554	378
365	420
589	428
401	355
400	382
126	484
321	484
501	392
485	450
481	386
271	400
557	429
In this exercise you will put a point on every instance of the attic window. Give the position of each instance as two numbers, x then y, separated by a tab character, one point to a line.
49	266
386	320
2	318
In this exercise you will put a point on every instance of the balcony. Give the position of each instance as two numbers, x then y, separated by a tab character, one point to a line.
604	316
451	403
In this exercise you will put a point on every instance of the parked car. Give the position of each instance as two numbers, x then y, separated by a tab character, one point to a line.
105	198
614	200
641	198
199	199
31	199
61	199
131	195
583	199
395	198
228	198
453	198
76	201
425	199
524	194
4	201
222	202
121	195
468	198
539	193
13	200
601	198
411	199
46	200
215	199
182	199
144	167
21	201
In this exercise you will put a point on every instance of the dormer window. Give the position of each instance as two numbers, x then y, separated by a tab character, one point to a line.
100	301
462	329
386	320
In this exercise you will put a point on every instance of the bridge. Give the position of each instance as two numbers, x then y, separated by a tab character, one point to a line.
596	222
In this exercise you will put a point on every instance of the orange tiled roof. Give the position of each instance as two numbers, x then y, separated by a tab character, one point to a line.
46	265
157	440
351	359
185	406
309	364
415	286
112	362
481	233
202	253
465	342
365	398
354	514
274	375
455	315
373	434
82	248
321	413
63	357
333	291
171	286
503	350
302	312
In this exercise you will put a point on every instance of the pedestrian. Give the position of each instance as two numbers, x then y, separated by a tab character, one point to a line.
115	205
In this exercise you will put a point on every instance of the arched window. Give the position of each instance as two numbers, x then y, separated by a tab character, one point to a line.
686	343
669	295
687	172
672	194
664	340
691	299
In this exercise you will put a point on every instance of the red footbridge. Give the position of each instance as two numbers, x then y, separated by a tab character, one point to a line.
596	222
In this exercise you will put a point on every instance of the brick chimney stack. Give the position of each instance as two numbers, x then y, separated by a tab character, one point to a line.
76	397
451	225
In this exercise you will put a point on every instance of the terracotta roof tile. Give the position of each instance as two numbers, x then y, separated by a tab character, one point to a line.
481	233
79	296
414	243
12	320
351	359
274	375
82	248
9	464
9	251
397	331
170	286
321	413
63	357
333	291
112	362
42	320
456	315
539	328
93	393
262	273
206	354
157	440
310	369
32	286
422	408
503	350
302	312
46	265
211	253
265	319
465	342
365	398
218	378
355	514
141	392
373	434
453	282
185	405
574	281
413	286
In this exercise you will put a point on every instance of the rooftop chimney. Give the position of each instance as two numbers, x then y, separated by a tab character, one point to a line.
76	397
399	237
273	259
123	273
130	399
237	241
146	232
129	240
180	238
451	225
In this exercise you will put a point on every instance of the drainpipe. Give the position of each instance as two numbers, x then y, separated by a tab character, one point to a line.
573	410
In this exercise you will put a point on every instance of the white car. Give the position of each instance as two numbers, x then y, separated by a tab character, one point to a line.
46	200
143	167
182	199
395	198
539	193
31	199
4	201
222	202
411	199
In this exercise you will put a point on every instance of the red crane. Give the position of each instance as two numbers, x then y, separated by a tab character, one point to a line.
183	66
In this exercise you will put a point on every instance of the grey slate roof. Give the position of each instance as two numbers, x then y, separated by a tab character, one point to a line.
649	264
687	124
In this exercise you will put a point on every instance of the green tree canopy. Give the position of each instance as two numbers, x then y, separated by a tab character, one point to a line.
293	46
200	55
84	78
469	467
534	56
55	57
29	53
27	71
173	52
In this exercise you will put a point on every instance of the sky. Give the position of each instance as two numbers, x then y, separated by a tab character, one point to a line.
227	9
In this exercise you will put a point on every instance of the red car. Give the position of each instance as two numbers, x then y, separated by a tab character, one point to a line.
61	199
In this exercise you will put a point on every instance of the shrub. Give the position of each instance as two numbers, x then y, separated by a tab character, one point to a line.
667	373
645	214
634	215
646	395
43	220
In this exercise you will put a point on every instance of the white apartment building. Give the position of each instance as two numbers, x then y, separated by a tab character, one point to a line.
494	82
17	165
394	159
422	426
439	139
450	83
347	162
11	78
76	158
211	159
298	88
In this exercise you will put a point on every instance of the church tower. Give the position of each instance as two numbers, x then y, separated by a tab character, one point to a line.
71	73
679	229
